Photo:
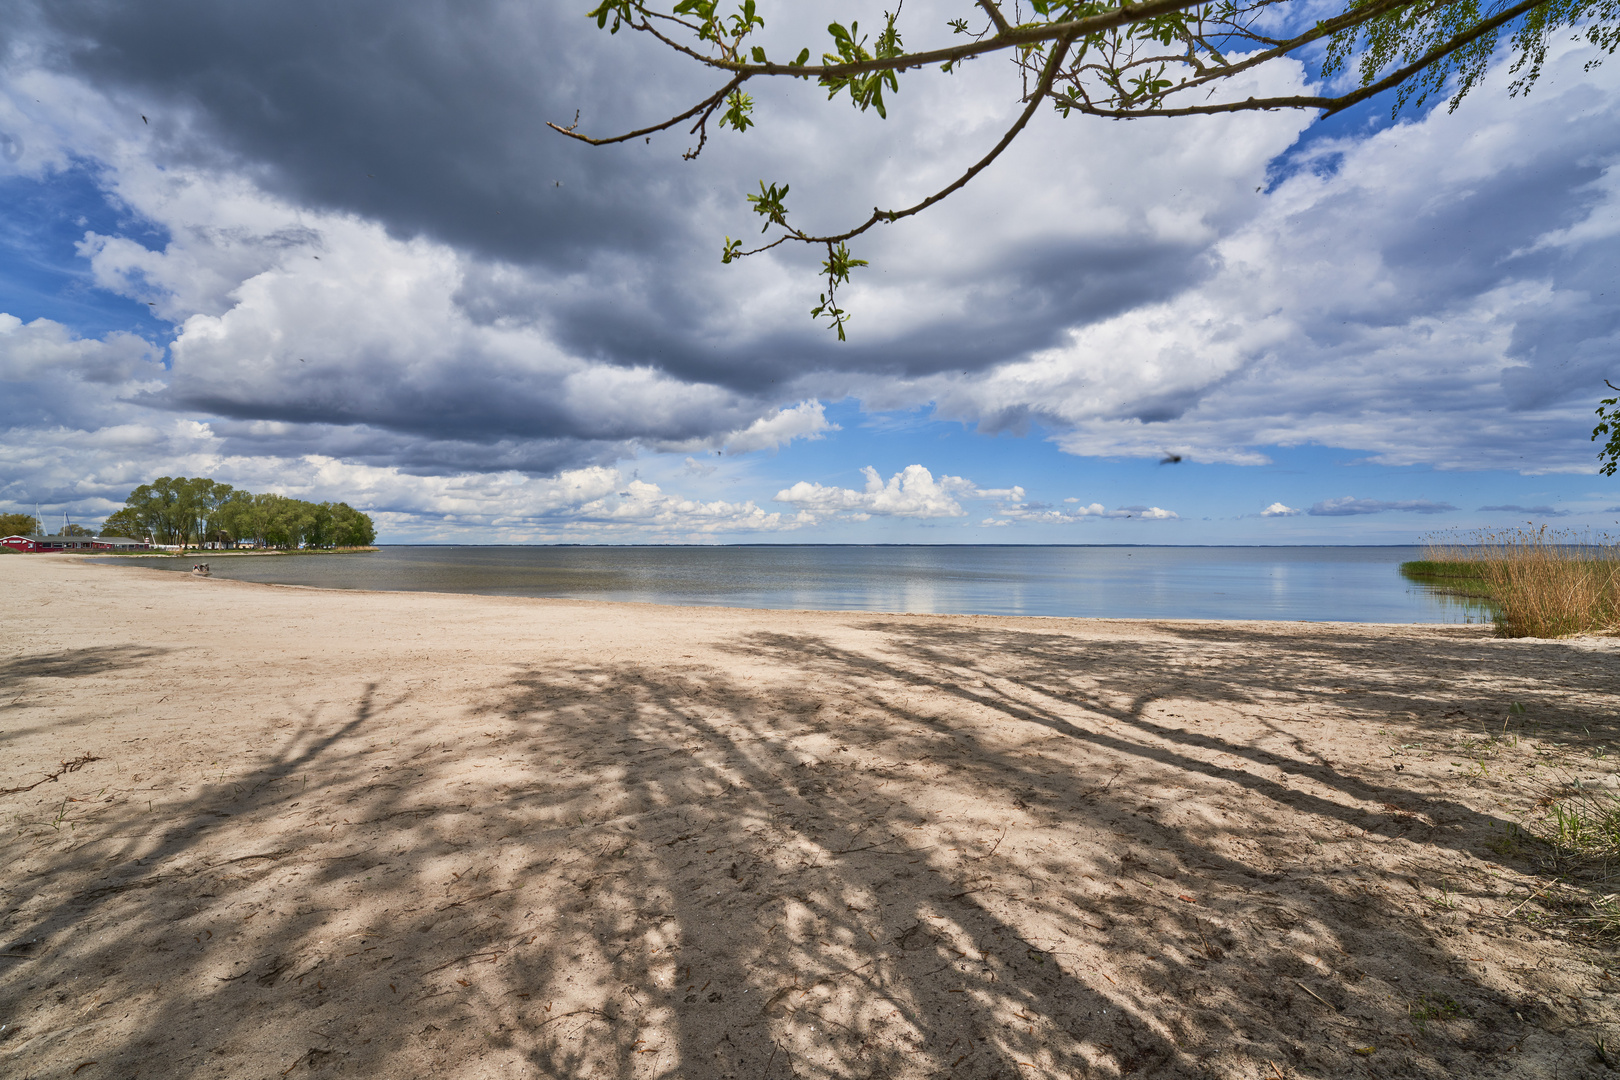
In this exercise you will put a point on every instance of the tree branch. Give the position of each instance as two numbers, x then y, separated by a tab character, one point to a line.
992	9
1327	28
1045	85
1110	64
707	105
1329	105
1010	39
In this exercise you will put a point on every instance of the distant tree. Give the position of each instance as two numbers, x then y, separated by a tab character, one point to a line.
164	509
76	530
19	525
231	517
1113	58
281	522
350	527
319	534
208	499
123	523
298	521
178	510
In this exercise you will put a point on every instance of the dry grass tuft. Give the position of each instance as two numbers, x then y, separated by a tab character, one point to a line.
1545	582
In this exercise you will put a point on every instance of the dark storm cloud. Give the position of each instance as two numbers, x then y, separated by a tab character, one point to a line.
466	405
428	115
1465	245
1468	233
1008	309
1348	506
413	454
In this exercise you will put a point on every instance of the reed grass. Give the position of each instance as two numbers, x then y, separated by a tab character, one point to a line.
1456	578
1544	582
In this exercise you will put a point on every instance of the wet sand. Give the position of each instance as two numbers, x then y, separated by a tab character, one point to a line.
401	834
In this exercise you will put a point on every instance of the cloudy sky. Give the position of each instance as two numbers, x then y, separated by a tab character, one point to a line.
333	251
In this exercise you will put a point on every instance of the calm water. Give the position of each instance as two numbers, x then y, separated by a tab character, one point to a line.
1350	584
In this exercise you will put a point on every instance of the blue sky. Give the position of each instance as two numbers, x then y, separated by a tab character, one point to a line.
344	263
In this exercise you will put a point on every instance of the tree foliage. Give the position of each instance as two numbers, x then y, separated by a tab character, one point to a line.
125	523
19	524
1164	58
1608	413
182	511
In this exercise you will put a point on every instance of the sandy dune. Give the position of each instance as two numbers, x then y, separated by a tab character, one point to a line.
426	835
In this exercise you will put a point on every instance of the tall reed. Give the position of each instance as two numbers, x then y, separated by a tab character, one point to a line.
1545	582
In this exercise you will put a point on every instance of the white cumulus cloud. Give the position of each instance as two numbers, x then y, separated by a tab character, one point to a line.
912	492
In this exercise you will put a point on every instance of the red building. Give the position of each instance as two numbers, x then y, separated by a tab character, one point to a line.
73	543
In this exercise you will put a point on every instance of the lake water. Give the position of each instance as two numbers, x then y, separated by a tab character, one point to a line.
1349	584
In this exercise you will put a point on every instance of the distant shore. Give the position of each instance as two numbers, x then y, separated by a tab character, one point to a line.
224	553
220	553
481	835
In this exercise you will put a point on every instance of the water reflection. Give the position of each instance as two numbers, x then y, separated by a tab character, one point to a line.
1352	584
1458	607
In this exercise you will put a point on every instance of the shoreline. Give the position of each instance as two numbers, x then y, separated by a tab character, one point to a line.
480	835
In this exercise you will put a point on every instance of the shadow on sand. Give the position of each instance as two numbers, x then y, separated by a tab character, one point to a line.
957	852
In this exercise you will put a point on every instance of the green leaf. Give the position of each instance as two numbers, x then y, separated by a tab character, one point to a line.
739	106
839	264
769	205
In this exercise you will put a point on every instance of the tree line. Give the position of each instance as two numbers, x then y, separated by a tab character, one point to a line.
195	511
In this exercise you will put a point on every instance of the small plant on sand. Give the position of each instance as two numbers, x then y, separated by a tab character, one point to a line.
1544	582
1446	900
1606	1054
1581	826
1431	1007
1509	842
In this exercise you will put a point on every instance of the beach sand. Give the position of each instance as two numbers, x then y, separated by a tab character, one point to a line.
396	834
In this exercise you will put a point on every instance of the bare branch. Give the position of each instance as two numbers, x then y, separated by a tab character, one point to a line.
706	106
1045	85
793	234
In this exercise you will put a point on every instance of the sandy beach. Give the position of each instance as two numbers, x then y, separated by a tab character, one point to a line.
406	834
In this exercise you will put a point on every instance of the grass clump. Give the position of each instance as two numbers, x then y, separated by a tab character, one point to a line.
1429	1008
1581	826
1588	825
1542	582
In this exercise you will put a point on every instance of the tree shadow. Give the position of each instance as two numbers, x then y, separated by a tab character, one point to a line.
75	663
948	851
